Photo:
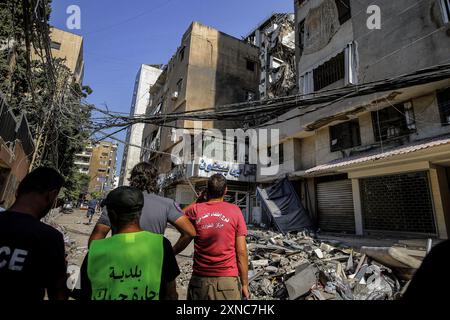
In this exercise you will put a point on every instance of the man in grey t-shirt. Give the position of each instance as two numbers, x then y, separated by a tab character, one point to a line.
157	211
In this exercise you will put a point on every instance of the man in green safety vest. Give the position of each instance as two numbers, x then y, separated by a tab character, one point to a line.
132	264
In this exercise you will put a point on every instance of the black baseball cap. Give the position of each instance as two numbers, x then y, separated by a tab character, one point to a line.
125	200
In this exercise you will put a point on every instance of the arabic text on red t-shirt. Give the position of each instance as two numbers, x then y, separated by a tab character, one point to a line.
217	225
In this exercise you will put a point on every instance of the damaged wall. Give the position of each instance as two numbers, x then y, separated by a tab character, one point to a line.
411	30
275	38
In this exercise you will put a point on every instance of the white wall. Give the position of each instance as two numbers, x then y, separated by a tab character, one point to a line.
145	79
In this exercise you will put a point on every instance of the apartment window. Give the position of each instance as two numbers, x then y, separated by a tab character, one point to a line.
344	10
301	36
105	154
250	95
280	153
445	6
443	98
330	72
345	135
182	51
392	122
55	45
179	85
251	65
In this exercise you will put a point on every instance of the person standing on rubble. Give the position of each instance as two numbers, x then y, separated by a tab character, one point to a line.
132	264
32	253
157	211
220	270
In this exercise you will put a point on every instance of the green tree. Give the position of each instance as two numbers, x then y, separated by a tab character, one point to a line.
43	90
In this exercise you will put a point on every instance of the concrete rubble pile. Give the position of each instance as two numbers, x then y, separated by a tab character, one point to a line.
186	273
296	266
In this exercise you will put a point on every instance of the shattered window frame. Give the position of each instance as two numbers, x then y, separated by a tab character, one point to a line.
280	153
443	99
391	123
301	36
347	135
182	53
251	65
445	6
179	86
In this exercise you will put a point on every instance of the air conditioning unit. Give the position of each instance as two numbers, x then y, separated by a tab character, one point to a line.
175	95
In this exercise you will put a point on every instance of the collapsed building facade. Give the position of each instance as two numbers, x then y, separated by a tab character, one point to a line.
275	38
209	69
377	163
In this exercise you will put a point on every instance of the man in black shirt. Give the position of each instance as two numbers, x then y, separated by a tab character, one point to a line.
32	255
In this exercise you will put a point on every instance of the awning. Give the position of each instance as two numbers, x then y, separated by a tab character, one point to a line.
377	155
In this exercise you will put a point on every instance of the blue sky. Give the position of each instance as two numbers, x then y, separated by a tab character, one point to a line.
119	36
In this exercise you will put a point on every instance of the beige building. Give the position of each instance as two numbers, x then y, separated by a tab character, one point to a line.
98	161
377	163
209	69
102	169
68	46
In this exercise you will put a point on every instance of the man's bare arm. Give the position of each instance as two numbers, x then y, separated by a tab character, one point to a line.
171	291
187	231
242	262
58	291
100	232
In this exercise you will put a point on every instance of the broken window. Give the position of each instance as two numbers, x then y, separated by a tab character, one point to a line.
179	86
345	135
251	65
250	95
443	98
393	122
344	10
331	71
182	51
280	154
445	7
301	36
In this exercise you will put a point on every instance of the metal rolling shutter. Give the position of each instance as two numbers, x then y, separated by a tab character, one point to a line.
335	206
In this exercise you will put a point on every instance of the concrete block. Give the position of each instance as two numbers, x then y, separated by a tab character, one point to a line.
319	253
259	263
392	257
301	283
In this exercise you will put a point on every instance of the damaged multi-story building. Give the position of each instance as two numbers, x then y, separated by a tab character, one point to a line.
376	163
209	69
275	38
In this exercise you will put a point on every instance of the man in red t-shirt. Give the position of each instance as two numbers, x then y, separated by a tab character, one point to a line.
220	249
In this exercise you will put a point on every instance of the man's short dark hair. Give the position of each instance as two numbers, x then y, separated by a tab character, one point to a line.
41	180
217	186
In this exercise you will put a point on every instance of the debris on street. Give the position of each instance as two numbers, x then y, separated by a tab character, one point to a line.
297	266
